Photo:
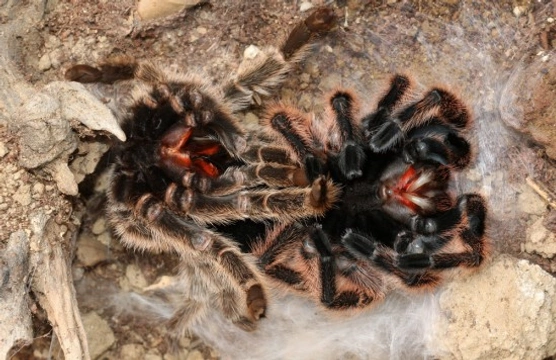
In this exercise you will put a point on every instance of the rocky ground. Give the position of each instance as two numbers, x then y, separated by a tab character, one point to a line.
499	57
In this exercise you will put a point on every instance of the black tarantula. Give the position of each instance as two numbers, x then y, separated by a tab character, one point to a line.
396	224
188	166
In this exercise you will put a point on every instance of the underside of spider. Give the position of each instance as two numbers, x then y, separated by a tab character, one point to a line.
188	166
396	224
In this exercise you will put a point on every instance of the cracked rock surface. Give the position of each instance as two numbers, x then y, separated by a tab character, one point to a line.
513	317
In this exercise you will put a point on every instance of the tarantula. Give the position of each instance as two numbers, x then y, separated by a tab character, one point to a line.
396	223
188	166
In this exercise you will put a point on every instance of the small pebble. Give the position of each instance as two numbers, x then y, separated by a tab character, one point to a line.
251	52
152	355
530	202
305	5
99	334
3	150
132	351
180	354
38	189
99	226
106	239
45	63
23	195
195	355
519	10
90	252
135	276
185	342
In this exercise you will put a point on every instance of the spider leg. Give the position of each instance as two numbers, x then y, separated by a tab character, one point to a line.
361	284
437	144
302	258
469	230
117	68
282	259
367	249
289	255
257	204
320	244
271	165
265	153
146	223
441	103
263	75
274	175
449	108
304	33
387	127
338	290
197	272
381	130
351	156
294	129
246	177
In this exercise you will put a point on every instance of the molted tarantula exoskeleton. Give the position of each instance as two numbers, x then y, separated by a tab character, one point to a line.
188	166
396	224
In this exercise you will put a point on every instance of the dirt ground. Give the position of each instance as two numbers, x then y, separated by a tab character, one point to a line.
500	57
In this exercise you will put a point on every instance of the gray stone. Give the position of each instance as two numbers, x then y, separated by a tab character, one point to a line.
530	202
43	134
44	62
99	226
3	149
85	163
80	105
90	251
99	335
135	277
64	178
540	240
195	355
23	195
132	351
505	311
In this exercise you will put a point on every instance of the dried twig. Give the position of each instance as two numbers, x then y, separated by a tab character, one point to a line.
15	317
543	191
53	286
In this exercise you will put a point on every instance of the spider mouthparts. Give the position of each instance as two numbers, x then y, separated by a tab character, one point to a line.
413	188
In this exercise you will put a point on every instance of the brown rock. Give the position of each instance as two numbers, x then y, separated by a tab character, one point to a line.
506	311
